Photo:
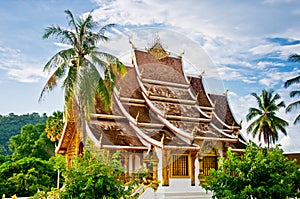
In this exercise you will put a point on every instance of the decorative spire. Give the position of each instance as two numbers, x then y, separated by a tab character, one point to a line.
132	45
226	92
181	54
201	74
157	50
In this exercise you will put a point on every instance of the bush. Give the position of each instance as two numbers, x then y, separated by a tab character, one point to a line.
259	173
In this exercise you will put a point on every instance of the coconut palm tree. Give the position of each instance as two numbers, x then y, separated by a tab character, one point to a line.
85	71
295	80
266	123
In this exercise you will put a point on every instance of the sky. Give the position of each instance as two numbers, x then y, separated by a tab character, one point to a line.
248	43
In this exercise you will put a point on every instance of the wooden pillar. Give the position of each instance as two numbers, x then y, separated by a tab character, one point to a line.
201	168
193	158
133	162
154	161
165	165
141	159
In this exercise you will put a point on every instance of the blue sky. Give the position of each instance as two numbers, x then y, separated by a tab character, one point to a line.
248	42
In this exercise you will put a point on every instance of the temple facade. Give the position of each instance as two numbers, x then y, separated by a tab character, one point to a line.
164	121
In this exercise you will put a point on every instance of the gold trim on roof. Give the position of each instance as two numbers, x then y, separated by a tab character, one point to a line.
158	51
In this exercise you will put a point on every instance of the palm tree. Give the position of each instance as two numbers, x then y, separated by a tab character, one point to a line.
85	71
266	124
295	80
54	126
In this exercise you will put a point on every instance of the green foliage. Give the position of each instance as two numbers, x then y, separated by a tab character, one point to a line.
260	173
11	125
295	93
54	126
86	71
26	176
32	142
266	124
94	176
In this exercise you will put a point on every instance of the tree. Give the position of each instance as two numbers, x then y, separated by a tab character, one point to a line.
295	93
26	176
259	173
266	123
32	142
11	125
86	72
54	126
94	176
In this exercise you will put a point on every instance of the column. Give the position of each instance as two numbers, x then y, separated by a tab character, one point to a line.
165	165
201	168
192	162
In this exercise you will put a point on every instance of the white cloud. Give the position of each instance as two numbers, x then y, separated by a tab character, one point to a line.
17	67
273	77
62	45
264	64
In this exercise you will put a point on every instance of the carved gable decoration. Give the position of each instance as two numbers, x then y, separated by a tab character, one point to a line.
158	51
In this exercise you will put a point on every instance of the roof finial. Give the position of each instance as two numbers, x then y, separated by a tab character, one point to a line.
197	95
181	54
237	134
201	74
132	45
157	50
226	91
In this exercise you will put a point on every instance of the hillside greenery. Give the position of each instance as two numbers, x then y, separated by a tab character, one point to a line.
11	125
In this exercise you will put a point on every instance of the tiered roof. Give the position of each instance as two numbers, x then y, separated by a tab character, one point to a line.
156	104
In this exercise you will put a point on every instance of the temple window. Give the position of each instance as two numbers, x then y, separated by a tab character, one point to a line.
180	166
209	162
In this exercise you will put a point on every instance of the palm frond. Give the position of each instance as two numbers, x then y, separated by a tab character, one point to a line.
253	125
294	58
72	21
70	84
295	93
65	36
88	87
297	120
60	59
106	28
253	112
281	105
258	100
292	106
105	95
295	80
98	61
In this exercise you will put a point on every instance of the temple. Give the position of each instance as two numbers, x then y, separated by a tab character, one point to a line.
162	120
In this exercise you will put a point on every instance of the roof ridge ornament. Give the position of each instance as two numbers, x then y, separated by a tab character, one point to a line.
226	92
201	74
157	49
132	45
